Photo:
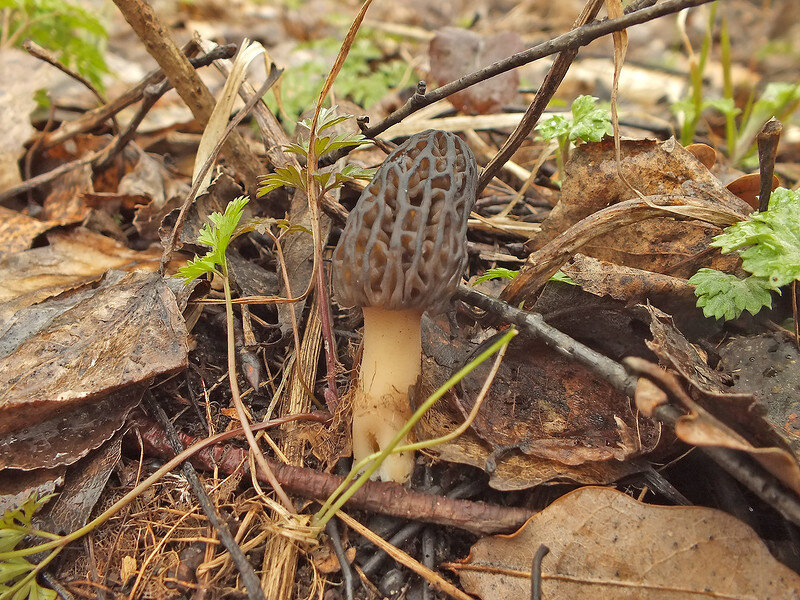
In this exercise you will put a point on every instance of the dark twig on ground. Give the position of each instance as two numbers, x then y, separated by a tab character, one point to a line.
381	497
344	565
249	577
570	40
536	572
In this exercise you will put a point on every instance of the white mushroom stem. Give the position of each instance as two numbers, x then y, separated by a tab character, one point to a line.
390	364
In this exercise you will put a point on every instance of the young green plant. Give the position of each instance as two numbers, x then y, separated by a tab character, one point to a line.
589	123
769	246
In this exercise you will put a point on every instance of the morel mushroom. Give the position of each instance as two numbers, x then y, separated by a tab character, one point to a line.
402	253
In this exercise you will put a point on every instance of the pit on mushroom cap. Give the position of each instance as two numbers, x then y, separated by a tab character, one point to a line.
402	253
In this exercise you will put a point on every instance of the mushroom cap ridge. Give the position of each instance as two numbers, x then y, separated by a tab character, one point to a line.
404	244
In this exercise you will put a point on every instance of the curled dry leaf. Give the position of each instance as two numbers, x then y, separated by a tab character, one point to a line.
457	52
603	544
717	417
662	244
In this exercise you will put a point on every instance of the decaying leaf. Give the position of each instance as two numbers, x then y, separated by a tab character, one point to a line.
73	258
541	409
457	52
124	332
604	544
662	245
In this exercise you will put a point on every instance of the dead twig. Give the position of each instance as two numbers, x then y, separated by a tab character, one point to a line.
160	45
91	119
767	151
381	497
37	51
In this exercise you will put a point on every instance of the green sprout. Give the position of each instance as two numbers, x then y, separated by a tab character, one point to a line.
17	574
297	177
589	123
769	246
503	273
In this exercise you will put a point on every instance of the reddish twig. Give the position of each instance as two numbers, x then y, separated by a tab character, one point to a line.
386	498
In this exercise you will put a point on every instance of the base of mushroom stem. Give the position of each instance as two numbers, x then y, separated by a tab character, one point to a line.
374	429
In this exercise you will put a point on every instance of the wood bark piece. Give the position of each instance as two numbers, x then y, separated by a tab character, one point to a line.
159	43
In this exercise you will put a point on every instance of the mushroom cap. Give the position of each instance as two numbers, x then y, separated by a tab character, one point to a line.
404	244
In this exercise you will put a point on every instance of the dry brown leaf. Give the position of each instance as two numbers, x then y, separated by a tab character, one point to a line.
747	187
457	52
605	545
73	258
544	417
56	357
663	244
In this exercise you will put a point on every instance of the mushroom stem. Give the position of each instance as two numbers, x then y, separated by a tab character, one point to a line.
390	364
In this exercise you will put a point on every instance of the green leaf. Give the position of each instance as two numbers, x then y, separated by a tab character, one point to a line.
725	296
563	278
590	123
496	273
290	176
217	234
553	127
769	242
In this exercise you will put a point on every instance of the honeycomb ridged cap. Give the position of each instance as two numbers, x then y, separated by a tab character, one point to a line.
404	244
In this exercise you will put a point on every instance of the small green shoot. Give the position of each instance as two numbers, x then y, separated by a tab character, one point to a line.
503	273
17	576
589	123
769	246
218	235
297	177
73	33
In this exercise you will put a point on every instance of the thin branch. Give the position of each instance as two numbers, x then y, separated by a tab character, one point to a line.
572	39
555	75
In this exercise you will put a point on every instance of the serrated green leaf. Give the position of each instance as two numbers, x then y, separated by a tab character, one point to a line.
290	176
769	242
217	235
496	273
725	296
13	568
590	123
553	127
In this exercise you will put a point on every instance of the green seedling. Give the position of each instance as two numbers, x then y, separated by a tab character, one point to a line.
589	123
74	34
776	100
503	273
769	246
17	577
297	177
